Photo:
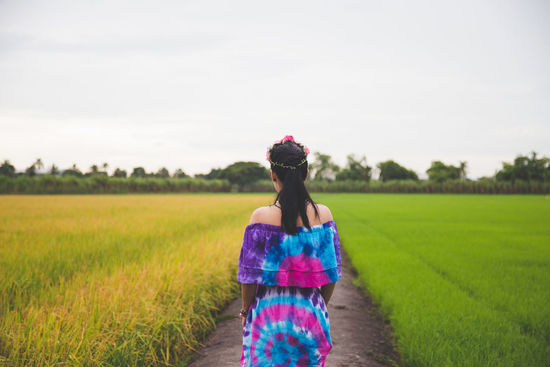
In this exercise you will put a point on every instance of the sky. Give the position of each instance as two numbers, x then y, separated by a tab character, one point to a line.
201	84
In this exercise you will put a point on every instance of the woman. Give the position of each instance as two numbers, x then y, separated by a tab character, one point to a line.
288	267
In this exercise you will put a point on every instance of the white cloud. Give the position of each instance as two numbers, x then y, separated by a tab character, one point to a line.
201	84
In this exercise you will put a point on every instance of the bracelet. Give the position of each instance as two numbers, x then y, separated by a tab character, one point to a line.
243	313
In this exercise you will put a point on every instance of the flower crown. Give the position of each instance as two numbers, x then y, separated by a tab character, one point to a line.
282	141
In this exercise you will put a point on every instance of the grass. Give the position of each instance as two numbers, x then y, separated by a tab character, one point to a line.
138	279
463	279
115	280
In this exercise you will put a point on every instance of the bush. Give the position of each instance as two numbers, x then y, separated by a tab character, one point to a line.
100	184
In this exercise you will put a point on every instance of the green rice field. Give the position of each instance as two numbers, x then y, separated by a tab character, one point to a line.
463	279
112	280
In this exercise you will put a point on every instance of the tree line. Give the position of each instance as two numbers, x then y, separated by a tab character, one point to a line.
526	174
7	169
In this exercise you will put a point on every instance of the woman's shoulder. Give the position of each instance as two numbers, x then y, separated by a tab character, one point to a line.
271	214
266	215
324	213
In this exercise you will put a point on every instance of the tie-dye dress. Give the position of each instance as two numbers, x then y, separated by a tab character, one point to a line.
288	324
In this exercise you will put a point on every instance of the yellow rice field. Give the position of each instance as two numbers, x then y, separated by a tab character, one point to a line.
115	280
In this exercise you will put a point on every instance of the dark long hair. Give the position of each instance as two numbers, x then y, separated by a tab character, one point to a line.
293	196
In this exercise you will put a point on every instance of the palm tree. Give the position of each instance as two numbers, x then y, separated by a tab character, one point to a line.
179	173
462	169
38	164
323	167
105	165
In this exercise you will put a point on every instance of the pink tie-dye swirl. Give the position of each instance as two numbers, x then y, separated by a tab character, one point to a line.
286	326
309	270
310	258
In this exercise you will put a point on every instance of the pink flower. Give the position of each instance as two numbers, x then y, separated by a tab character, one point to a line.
287	138
282	141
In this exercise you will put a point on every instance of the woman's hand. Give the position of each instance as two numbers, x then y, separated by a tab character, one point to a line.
327	290
243	314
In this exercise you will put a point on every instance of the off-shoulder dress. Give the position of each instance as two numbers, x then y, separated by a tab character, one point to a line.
288	323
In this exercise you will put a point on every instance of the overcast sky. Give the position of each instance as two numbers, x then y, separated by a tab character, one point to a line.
201	84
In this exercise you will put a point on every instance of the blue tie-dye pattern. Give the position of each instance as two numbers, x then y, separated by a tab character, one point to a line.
310	243
282	351
309	299
266	246
281	308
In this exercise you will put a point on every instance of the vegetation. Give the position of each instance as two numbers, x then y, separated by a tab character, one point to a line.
242	174
525	175
323	168
525	169
6	169
440	172
115	280
463	279
47	184
357	169
138	279
100	184
390	170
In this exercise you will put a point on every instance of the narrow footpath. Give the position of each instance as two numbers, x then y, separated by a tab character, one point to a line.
359	334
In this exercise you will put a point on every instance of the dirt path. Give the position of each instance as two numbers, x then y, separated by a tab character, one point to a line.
359	335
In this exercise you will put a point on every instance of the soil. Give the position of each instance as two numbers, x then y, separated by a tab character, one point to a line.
360	336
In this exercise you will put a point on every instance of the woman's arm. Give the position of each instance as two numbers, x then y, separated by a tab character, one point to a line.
327	290
248	292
